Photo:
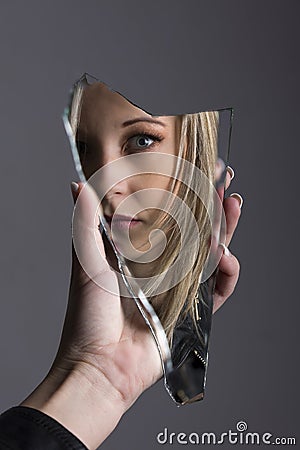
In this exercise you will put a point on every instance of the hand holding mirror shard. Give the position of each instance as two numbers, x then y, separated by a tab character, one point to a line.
158	187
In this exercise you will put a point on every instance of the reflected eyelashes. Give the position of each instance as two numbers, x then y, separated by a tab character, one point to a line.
134	143
141	141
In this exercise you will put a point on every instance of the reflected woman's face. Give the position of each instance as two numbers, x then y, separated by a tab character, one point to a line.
110	127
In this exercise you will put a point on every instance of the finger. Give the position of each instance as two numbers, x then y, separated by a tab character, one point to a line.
227	277
229	176
232	207
220	167
87	239
77	271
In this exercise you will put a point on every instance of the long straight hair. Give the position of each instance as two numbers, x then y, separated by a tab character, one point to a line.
197	145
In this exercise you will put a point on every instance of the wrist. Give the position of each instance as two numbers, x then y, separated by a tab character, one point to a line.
82	400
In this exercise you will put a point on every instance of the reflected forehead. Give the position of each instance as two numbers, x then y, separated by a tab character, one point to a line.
98	101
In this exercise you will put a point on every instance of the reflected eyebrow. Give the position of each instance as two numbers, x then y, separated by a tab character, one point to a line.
142	119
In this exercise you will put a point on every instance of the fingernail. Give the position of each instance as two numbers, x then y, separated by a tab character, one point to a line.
225	250
238	197
231	172
74	187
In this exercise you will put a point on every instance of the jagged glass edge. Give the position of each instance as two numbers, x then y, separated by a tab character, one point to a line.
140	298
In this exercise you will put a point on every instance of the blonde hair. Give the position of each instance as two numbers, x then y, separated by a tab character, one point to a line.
198	146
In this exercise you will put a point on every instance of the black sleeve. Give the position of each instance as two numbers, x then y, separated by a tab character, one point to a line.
23	428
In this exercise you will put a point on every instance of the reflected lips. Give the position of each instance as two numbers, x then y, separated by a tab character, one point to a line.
122	222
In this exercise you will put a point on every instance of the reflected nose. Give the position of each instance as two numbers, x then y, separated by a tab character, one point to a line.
118	189
112	200
113	180
115	194
112	175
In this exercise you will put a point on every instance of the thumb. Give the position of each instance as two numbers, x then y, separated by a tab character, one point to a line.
87	240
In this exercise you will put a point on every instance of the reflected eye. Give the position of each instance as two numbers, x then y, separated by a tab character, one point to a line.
142	141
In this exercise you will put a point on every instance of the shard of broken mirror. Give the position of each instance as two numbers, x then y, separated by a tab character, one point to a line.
160	182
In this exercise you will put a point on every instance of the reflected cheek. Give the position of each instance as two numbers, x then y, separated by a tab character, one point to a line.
153	191
158	181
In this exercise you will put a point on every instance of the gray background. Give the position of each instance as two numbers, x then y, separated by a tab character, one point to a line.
168	57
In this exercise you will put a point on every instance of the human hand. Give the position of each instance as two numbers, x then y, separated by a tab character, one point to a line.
104	335
107	356
229	266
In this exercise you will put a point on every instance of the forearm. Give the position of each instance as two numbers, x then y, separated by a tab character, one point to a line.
83	401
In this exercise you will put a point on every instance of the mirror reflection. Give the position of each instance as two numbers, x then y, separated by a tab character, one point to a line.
160	185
